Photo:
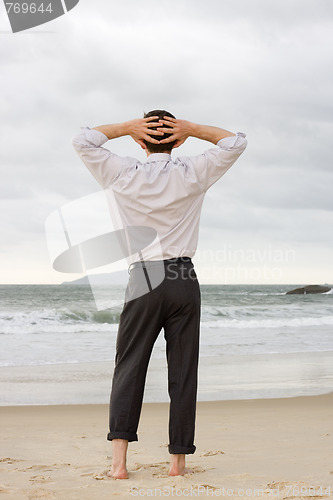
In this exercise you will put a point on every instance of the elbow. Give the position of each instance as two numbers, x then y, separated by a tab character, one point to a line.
76	143
74	140
244	145
240	143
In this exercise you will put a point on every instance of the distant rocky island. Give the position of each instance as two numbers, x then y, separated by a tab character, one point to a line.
309	289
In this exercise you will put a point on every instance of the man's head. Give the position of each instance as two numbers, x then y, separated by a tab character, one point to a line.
159	148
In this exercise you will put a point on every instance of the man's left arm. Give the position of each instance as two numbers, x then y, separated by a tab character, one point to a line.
215	162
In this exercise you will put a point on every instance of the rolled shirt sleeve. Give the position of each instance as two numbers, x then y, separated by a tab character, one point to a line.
215	162
102	163
106	166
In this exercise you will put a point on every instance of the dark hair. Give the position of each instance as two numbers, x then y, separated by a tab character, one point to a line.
159	148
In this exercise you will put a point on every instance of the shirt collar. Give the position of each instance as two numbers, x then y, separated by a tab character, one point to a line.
158	157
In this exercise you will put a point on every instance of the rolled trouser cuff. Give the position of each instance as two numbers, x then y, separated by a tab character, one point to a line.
175	449
130	436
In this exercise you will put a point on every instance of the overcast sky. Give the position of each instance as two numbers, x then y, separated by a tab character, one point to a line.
257	66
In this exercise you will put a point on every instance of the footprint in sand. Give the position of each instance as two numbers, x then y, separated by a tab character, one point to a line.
209	487
276	485
10	460
45	468
42	468
159	469
210	453
41	479
197	469
137	466
5	490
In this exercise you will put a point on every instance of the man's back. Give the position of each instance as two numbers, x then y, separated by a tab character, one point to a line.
162	193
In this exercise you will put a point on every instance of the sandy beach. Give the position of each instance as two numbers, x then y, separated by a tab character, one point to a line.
268	448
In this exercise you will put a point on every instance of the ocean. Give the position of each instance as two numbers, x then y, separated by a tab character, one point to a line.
256	341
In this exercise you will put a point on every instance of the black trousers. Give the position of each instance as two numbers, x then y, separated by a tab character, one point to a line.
173	305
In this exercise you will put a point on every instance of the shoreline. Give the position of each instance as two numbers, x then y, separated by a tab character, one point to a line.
326	397
282	447
229	377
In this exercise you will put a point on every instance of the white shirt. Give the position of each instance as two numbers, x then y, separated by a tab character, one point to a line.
163	193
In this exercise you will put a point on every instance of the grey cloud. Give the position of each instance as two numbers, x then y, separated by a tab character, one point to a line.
257	66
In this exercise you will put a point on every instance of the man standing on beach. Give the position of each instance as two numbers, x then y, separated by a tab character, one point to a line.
166	195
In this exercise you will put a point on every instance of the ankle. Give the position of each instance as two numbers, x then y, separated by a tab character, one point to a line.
119	452
178	458
119	464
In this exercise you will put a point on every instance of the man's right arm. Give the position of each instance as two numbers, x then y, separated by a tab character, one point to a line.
103	164
139	129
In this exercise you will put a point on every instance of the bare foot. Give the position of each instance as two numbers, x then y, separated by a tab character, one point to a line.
117	473
177	471
118	468
177	466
